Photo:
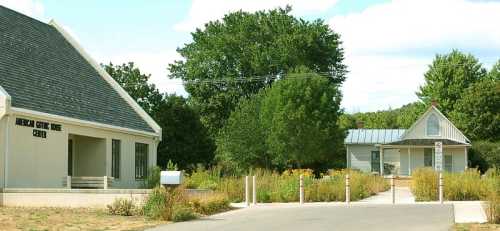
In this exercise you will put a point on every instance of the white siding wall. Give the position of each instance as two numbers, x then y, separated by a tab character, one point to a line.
42	163
391	156
2	151
360	156
446	128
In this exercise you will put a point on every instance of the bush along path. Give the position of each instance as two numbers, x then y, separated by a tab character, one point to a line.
274	187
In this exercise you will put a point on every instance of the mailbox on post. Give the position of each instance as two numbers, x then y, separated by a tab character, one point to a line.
171	178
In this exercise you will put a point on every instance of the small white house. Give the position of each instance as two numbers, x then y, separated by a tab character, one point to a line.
400	151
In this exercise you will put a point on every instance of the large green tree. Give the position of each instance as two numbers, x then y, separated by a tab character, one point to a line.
185	139
447	78
477	113
300	115
293	123
136	84
241	144
257	47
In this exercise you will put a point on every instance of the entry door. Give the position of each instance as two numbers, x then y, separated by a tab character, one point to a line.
375	161
70	157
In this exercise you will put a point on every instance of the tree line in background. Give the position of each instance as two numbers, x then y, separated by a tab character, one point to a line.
264	92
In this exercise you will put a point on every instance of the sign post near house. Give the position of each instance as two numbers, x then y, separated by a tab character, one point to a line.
438	151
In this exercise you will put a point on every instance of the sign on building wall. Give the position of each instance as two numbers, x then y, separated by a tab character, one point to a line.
438	151
40	128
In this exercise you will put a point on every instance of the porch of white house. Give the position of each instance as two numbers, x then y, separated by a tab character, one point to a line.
87	163
402	160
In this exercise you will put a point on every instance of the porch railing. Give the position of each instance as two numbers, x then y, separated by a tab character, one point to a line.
93	182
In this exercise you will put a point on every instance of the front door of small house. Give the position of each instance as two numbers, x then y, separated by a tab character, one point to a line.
375	161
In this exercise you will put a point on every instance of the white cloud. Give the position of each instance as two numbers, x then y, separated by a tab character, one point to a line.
203	11
32	8
152	63
389	46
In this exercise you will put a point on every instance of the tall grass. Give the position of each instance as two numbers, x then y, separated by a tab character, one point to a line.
273	186
492	177
467	185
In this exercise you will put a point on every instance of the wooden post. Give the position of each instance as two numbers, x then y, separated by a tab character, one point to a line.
301	186
68	182
347	190
105	185
393	190
254	190
247	191
440	187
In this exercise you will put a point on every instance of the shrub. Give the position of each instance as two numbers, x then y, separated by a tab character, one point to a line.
275	187
182	213
122	207
485	155
208	205
153	178
161	201
464	186
467	185
424	184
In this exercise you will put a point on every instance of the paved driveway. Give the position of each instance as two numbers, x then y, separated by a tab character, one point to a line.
325	217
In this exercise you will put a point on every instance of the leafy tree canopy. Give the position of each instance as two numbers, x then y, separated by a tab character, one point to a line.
136	84
257	47
477	113
293	123
185	140
447	78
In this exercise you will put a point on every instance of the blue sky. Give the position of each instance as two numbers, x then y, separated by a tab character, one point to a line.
388	44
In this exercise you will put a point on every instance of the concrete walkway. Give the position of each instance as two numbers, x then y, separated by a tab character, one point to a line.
403	196
464	211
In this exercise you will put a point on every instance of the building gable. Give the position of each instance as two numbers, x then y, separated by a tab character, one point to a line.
44	70
434	125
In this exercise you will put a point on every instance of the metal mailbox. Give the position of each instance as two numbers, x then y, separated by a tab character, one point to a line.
171	177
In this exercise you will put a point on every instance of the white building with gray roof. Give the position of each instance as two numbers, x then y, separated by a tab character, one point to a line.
400	151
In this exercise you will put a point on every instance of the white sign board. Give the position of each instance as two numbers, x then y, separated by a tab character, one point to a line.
438	153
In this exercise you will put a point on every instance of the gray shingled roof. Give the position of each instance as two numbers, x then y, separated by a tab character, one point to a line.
373	136
43	72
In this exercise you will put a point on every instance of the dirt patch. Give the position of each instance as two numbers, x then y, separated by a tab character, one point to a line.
69	219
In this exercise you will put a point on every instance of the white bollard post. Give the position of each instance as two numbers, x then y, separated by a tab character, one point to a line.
301	186
441	187
254	190
105	179
347	190
247	192
68	182
393	190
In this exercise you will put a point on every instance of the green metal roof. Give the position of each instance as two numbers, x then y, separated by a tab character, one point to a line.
43	72
373	136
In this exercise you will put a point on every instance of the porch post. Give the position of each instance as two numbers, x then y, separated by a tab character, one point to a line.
381	160
409	161
466	158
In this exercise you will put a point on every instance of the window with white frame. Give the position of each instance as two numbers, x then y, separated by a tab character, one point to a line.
432	125
141	161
